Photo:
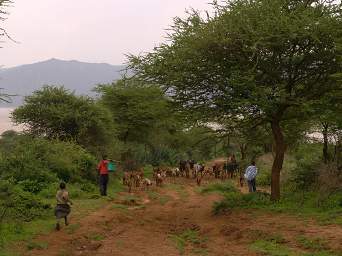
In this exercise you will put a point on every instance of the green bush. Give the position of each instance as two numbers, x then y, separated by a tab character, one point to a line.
20	204
76	191
34	163
305	174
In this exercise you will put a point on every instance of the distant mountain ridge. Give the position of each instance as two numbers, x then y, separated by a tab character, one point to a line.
77	76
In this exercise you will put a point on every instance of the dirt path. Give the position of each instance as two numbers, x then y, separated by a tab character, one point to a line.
176	219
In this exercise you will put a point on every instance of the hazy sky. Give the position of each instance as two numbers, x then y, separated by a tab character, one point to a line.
88	30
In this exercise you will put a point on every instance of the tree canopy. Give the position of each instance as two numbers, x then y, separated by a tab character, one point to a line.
56	113
136	108
258	60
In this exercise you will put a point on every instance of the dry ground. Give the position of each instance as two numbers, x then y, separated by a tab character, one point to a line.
156	223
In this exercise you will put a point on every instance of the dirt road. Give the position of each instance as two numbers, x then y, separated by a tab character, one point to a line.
178	220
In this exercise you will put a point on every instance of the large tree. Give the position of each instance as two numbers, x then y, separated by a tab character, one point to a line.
140	112
258	60
135	107
56	113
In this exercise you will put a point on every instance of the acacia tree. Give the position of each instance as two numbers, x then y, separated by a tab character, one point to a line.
259	60
56	113
139	111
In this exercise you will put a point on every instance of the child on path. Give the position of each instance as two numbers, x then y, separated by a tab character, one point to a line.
62	209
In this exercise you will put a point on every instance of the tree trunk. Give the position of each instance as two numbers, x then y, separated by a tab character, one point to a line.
267	148
279	148
243	149
325	142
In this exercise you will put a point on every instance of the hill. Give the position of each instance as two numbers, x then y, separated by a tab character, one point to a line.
78	76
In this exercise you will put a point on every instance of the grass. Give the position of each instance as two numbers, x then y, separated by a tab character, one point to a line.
96	237
12	232
261	235
162	199
272	248
32	245
315	244
289	203
189	238
222	188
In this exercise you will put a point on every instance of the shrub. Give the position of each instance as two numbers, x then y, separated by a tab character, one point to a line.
20	204
34	163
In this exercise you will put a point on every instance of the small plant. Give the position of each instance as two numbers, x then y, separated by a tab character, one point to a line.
96	237
271	248
31	245
315	244
261	235
188	237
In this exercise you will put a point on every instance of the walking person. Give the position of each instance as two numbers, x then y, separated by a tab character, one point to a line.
250	176
62	209
103	175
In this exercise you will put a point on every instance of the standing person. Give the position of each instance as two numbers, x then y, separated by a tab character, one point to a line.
103	175
250	176
62	209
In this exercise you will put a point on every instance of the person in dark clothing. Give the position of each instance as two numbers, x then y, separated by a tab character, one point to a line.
103	175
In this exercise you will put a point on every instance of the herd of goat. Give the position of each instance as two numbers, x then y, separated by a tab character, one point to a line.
188	169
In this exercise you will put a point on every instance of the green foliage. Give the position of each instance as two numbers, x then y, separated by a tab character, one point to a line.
292	202
267	61
20	204
237	200
37	245
316	244
150	129
308	161
56	113
221	188
258	58
273	248
95	237
186	238
34	163
136	108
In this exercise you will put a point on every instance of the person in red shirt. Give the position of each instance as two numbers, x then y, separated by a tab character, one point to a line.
102	168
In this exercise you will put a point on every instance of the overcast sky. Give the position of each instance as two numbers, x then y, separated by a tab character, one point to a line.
88	30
